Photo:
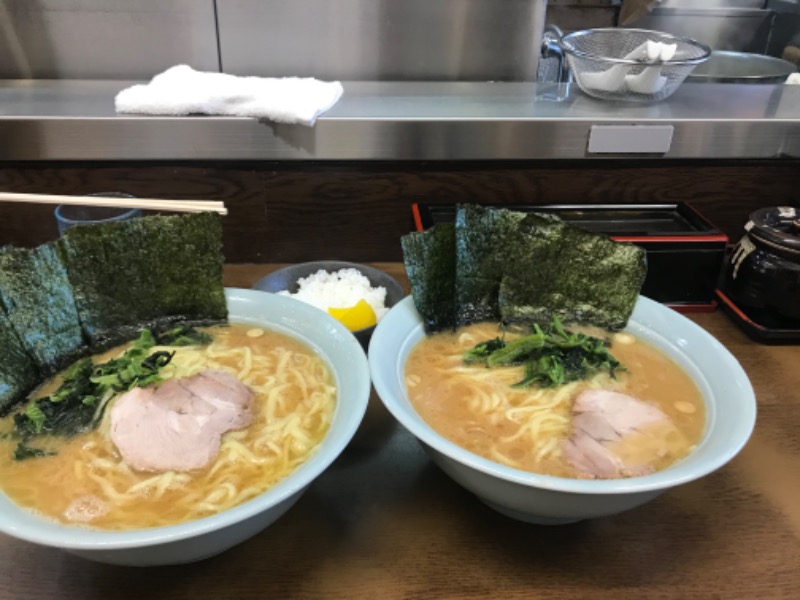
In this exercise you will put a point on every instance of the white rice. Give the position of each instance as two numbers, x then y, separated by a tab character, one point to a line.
340	289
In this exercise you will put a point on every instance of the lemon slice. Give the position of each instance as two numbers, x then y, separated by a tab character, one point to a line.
358	316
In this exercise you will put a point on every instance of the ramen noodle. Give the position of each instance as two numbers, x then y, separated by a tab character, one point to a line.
476	407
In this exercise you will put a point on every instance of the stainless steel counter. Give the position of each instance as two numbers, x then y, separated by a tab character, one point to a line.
75	120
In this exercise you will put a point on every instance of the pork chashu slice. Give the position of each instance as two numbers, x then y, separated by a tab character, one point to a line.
616	435
178	425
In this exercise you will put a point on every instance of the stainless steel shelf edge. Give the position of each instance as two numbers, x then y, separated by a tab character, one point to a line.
73	120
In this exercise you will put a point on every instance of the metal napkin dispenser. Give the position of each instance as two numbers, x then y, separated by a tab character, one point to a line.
685	252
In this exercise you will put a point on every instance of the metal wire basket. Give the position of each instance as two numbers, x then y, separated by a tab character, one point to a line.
610	63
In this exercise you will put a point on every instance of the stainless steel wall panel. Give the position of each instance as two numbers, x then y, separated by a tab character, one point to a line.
711	4
741	29
571	15
468	40
104	39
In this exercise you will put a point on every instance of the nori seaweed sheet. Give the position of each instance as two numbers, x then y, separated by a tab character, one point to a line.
485	243
147	272
18	373
429	259
520	268
37	297
573	274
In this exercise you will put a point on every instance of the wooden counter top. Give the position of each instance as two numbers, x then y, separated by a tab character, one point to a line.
384	522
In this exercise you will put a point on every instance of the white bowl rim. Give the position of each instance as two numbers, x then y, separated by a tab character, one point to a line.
41	530
681	472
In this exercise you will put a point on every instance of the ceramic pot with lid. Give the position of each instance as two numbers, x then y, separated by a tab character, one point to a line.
764	270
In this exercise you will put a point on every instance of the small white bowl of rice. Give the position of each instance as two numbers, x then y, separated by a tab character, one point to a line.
331	285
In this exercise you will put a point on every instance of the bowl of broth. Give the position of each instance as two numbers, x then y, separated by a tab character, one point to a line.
524	452
310	381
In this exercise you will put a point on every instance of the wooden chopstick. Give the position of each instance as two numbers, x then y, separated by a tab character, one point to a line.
142	203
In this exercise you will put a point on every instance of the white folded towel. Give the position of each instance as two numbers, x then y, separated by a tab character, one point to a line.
793	78
181	90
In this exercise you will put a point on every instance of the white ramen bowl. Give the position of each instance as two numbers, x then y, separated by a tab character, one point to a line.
206	537
543	499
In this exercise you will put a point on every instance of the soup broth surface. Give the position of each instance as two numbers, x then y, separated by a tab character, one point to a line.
476	407
87	483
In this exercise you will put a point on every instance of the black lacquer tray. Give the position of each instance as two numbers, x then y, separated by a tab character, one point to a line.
761	325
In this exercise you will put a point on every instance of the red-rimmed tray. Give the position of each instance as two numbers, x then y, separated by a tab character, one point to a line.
760	325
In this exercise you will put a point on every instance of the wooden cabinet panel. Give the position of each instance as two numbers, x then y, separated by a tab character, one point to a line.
283	212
